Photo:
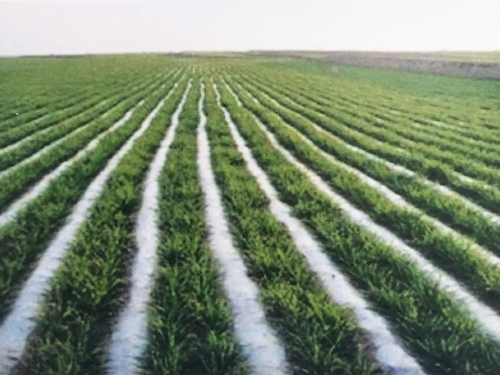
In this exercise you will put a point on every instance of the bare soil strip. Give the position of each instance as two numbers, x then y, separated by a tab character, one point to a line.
129	337
486	317
17	326
494	218
260	344
9	214
389	353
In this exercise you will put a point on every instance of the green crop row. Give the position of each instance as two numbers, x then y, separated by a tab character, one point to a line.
90	287
379	112
17	115
318	336
369	94
190	322
461	116
62	122
13	114
428	133
31	83
429	322
431	124
355	128
76	123
402	129
20	179
71	106
29	234
445	250
435	171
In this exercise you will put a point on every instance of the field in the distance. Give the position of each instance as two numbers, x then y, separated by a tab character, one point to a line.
468	64
246	215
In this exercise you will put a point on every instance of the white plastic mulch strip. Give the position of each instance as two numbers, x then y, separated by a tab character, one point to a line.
15	207
46	149
238	101
129	337
389	353
260	345
494	218
401	202
255	100
486	317
20	323
40	119
57	142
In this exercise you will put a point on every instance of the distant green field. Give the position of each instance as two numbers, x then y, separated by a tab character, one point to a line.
244	214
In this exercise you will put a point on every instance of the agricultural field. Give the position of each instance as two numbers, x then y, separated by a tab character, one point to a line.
465	64
246	215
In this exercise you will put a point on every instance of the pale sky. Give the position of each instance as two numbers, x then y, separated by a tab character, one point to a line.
96	26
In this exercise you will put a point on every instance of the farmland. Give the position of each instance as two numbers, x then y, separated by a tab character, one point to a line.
246	214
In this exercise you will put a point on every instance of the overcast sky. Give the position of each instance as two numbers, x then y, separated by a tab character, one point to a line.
93	26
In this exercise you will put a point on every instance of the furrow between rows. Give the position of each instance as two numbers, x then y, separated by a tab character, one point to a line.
19	323
258	340
129	337
440	189
380	266
355	132
389	353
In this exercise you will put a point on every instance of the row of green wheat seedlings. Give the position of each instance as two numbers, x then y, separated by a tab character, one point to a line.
35	138
469	261
30	223
371	100
60	104
486	196
37	106
480	312
446	137
25	130
425	158
19	323
462	119
405	133
23	175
